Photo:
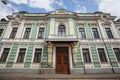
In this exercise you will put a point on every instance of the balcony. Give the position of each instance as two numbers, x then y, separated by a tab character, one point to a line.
57	37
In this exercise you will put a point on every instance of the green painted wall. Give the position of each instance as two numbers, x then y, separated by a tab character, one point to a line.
75	29
111	56
29	55
34	31
47	29
92	46
94	55
45	58
88	32
11	58
79	58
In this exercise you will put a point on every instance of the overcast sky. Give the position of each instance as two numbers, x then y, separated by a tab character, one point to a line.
42	6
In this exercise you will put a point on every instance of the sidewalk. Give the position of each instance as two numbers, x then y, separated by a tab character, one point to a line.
12	76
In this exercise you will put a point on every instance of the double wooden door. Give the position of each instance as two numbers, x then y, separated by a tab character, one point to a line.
62	60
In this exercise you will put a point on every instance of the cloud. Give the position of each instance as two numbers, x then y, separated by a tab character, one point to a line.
19	1
7	10
40	4
110	6
79	8
46	4
57	4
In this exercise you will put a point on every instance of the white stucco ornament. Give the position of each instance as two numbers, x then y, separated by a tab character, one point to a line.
104	17
18	17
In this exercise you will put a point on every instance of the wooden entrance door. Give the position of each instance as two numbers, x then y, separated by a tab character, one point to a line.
62	60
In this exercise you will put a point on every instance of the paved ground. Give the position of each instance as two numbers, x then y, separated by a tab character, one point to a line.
10	76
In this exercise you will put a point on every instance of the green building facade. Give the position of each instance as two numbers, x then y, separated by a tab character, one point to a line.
60	42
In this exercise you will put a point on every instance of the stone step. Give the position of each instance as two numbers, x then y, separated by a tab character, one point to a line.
20	76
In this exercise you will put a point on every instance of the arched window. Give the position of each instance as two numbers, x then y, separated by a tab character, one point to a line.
61	29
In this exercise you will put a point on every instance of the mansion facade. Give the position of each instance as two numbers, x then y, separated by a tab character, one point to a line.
60	42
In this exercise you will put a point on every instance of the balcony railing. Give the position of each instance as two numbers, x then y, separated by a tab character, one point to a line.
59	37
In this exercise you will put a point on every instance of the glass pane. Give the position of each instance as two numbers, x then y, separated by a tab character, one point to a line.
82	33
86	55
1	31
117	53
4	55
37	55
21	55
61	29
27	33
109	33
102	55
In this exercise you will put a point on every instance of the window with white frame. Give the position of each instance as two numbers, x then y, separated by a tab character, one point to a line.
41	33
82	33
86	55
21	55
117	53
37	55
109	33
61	30
27	33
13	33
102	55
4	55
1	31
95	33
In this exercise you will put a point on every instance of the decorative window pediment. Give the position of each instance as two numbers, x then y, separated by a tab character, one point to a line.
92	24
28	24
106	24
14	23
80	24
